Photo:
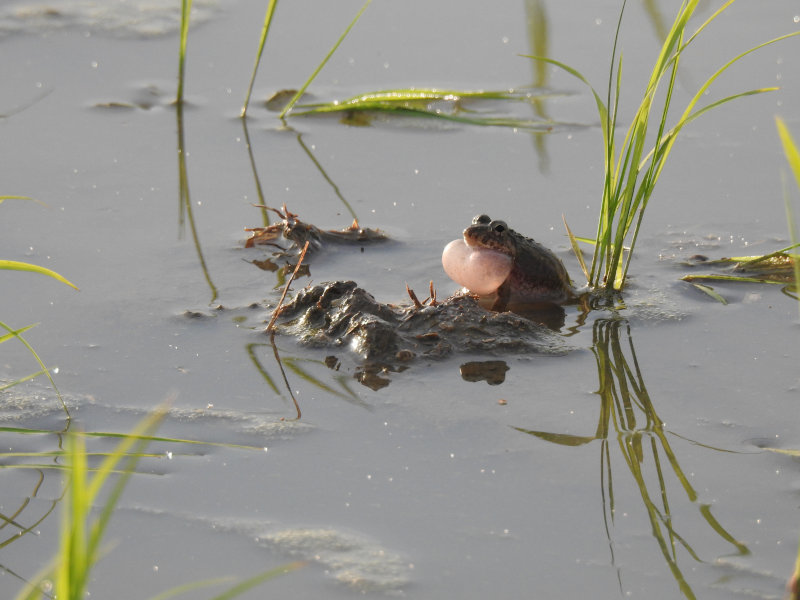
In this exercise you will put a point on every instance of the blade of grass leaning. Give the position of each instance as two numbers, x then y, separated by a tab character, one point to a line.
710	292
15	333
573	241
790	149
22	380
262	41
792	154
14	265
303	88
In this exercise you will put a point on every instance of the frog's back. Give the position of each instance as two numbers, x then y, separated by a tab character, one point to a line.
538	275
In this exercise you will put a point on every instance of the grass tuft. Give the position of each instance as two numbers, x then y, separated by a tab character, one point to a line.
631	170
68	575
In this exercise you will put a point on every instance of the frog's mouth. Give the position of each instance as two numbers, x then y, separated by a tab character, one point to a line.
479	269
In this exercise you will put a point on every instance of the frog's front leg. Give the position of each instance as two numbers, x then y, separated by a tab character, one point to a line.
503	295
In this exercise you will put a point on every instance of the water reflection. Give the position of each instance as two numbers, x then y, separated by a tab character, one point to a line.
492	372
310	370
539	42
185	203
15	526
629	422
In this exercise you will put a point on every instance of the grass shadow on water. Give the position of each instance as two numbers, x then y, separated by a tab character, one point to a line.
629	421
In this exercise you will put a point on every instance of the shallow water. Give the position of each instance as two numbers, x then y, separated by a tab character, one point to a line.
428	487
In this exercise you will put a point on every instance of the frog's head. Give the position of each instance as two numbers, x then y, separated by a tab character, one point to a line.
492	235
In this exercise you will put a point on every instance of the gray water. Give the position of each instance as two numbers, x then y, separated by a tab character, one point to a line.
428	487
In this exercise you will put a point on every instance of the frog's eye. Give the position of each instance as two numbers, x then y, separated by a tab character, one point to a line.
481	220
499	226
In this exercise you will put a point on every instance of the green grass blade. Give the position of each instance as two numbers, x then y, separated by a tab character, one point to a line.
662	149
792	154
790	149
264	31
13	265
734	278
702	90
707	22
186	9
325	60
129	449
22	380
38	360
601	107
710	292
16	333
573	241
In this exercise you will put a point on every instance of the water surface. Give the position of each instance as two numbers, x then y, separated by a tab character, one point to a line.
428	487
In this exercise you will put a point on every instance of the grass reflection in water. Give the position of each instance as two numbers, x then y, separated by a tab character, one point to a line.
628	416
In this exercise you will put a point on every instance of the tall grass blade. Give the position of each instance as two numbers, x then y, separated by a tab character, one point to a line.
325	60
264	31
186	9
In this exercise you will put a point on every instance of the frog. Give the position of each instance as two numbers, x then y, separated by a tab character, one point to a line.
537	275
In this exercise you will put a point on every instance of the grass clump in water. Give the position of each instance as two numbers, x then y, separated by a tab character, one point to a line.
779	267
448	105
631	171
67	577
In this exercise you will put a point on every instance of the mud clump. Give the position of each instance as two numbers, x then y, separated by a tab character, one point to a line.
340	314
